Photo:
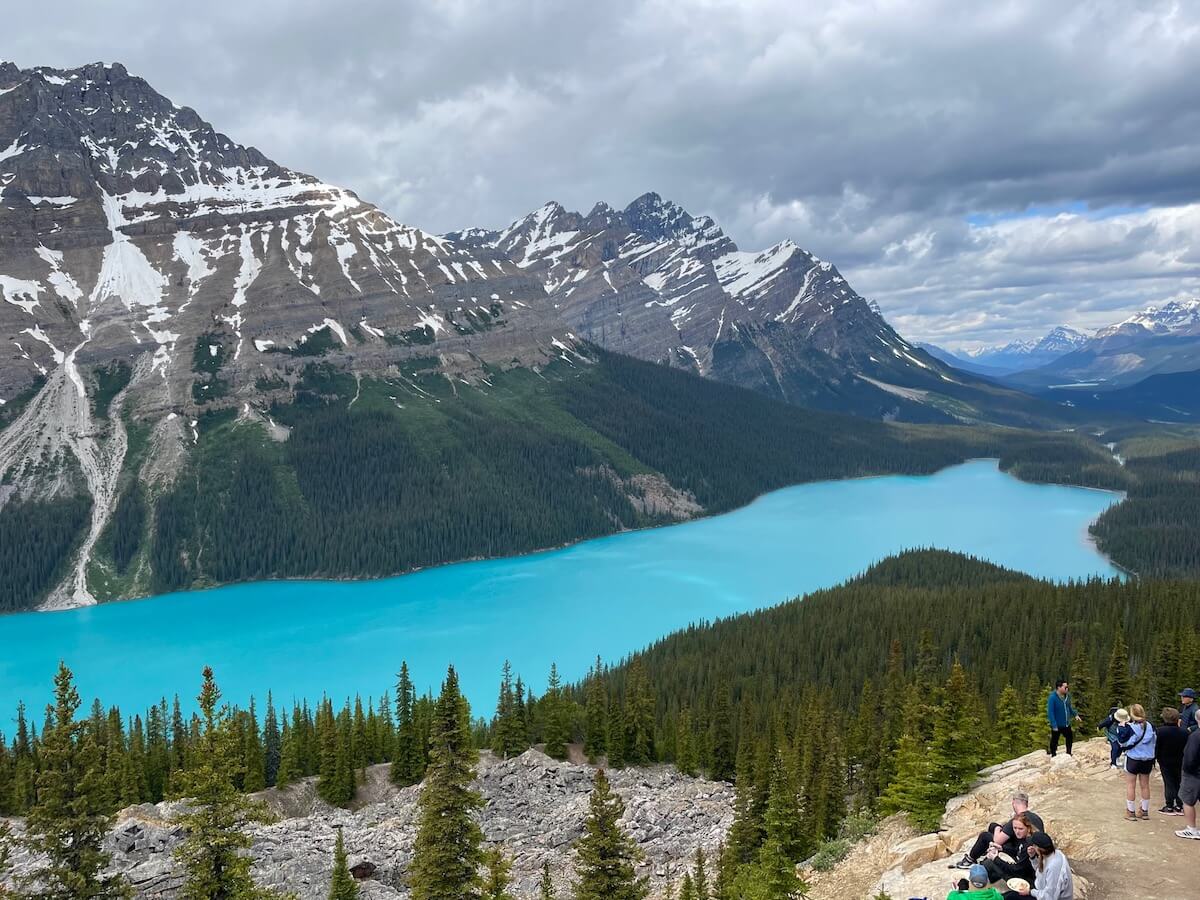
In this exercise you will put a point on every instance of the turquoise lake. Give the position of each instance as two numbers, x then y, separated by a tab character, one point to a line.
607	596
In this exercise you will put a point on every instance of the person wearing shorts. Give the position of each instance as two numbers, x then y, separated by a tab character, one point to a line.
1189	786
1139	746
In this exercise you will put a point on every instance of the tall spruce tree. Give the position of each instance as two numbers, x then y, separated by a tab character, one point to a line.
447	854
272	742
70	818
595	741
212	851
687	756
1083	685
408	761
342	885
558	716
605	867
1118	686
956	751
722	750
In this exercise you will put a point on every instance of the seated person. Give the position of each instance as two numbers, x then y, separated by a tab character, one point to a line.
1013	861
1053	879
999	834
975	887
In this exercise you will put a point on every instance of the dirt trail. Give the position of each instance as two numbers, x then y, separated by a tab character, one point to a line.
1082	802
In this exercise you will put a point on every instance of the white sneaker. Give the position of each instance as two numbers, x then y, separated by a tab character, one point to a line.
1189	833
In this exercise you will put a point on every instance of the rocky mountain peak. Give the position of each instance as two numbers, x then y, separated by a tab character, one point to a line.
657	219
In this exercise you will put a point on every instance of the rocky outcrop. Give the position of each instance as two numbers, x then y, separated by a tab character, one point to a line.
534	809
1081	801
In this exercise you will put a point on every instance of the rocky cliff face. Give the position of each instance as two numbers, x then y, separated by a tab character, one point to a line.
534	810
152	269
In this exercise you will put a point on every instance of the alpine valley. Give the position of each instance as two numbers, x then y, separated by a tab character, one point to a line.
200	345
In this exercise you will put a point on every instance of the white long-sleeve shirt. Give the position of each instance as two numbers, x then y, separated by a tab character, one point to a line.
1052	879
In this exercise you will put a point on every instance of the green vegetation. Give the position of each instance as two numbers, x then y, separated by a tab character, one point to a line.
383	477
315	343
824	712
110	381
36	542
1156	531
15	406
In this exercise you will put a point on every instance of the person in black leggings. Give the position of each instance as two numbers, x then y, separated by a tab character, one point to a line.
1017	849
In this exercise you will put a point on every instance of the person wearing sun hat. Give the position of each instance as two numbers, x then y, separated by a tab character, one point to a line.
1187	711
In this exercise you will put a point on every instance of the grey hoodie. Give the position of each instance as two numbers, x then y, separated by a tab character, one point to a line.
1054	881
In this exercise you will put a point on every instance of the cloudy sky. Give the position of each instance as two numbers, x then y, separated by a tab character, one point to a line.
983	171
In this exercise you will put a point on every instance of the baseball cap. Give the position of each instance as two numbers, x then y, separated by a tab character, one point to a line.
1188	692
978	876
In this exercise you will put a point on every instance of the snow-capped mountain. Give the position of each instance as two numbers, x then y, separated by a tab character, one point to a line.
1018	355
1178	317
152	270
1157	340
653	281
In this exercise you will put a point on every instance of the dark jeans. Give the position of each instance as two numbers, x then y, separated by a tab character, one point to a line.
980	847
1065	732
1171	773
1114	751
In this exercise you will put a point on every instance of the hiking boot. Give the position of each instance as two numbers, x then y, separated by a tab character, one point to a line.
965	863
1130	816
1144	814
1192	834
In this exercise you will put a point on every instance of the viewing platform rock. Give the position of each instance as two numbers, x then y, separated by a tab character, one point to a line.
1082	801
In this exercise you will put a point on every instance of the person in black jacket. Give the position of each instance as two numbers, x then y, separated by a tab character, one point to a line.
997	862
1189	786
1168	750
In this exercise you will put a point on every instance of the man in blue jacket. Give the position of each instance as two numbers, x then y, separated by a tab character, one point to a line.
1187	711
1060	712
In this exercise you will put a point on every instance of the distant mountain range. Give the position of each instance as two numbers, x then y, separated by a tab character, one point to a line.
1160	339
1014	356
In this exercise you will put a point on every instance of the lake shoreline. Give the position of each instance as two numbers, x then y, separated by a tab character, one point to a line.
703	516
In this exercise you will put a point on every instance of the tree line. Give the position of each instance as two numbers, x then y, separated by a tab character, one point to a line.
856	701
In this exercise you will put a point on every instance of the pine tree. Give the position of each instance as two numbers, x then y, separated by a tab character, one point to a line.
1117	686
447	855
499	875
69	821
595	742
955	753
745	834
557	717
783	818
721	753
909	790
290	767
687	759
508	737
1083	686
546	884
700	876
617	740
272	743
687	888
1011	733
211	853
605	868
866	748
341	885
256	760
408	762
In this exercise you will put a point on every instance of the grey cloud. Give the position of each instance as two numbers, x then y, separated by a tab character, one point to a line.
865	133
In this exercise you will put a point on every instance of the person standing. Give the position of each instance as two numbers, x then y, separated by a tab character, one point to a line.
1189	786
1061	714
1187	711
1138	740
1110	725
1169	742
